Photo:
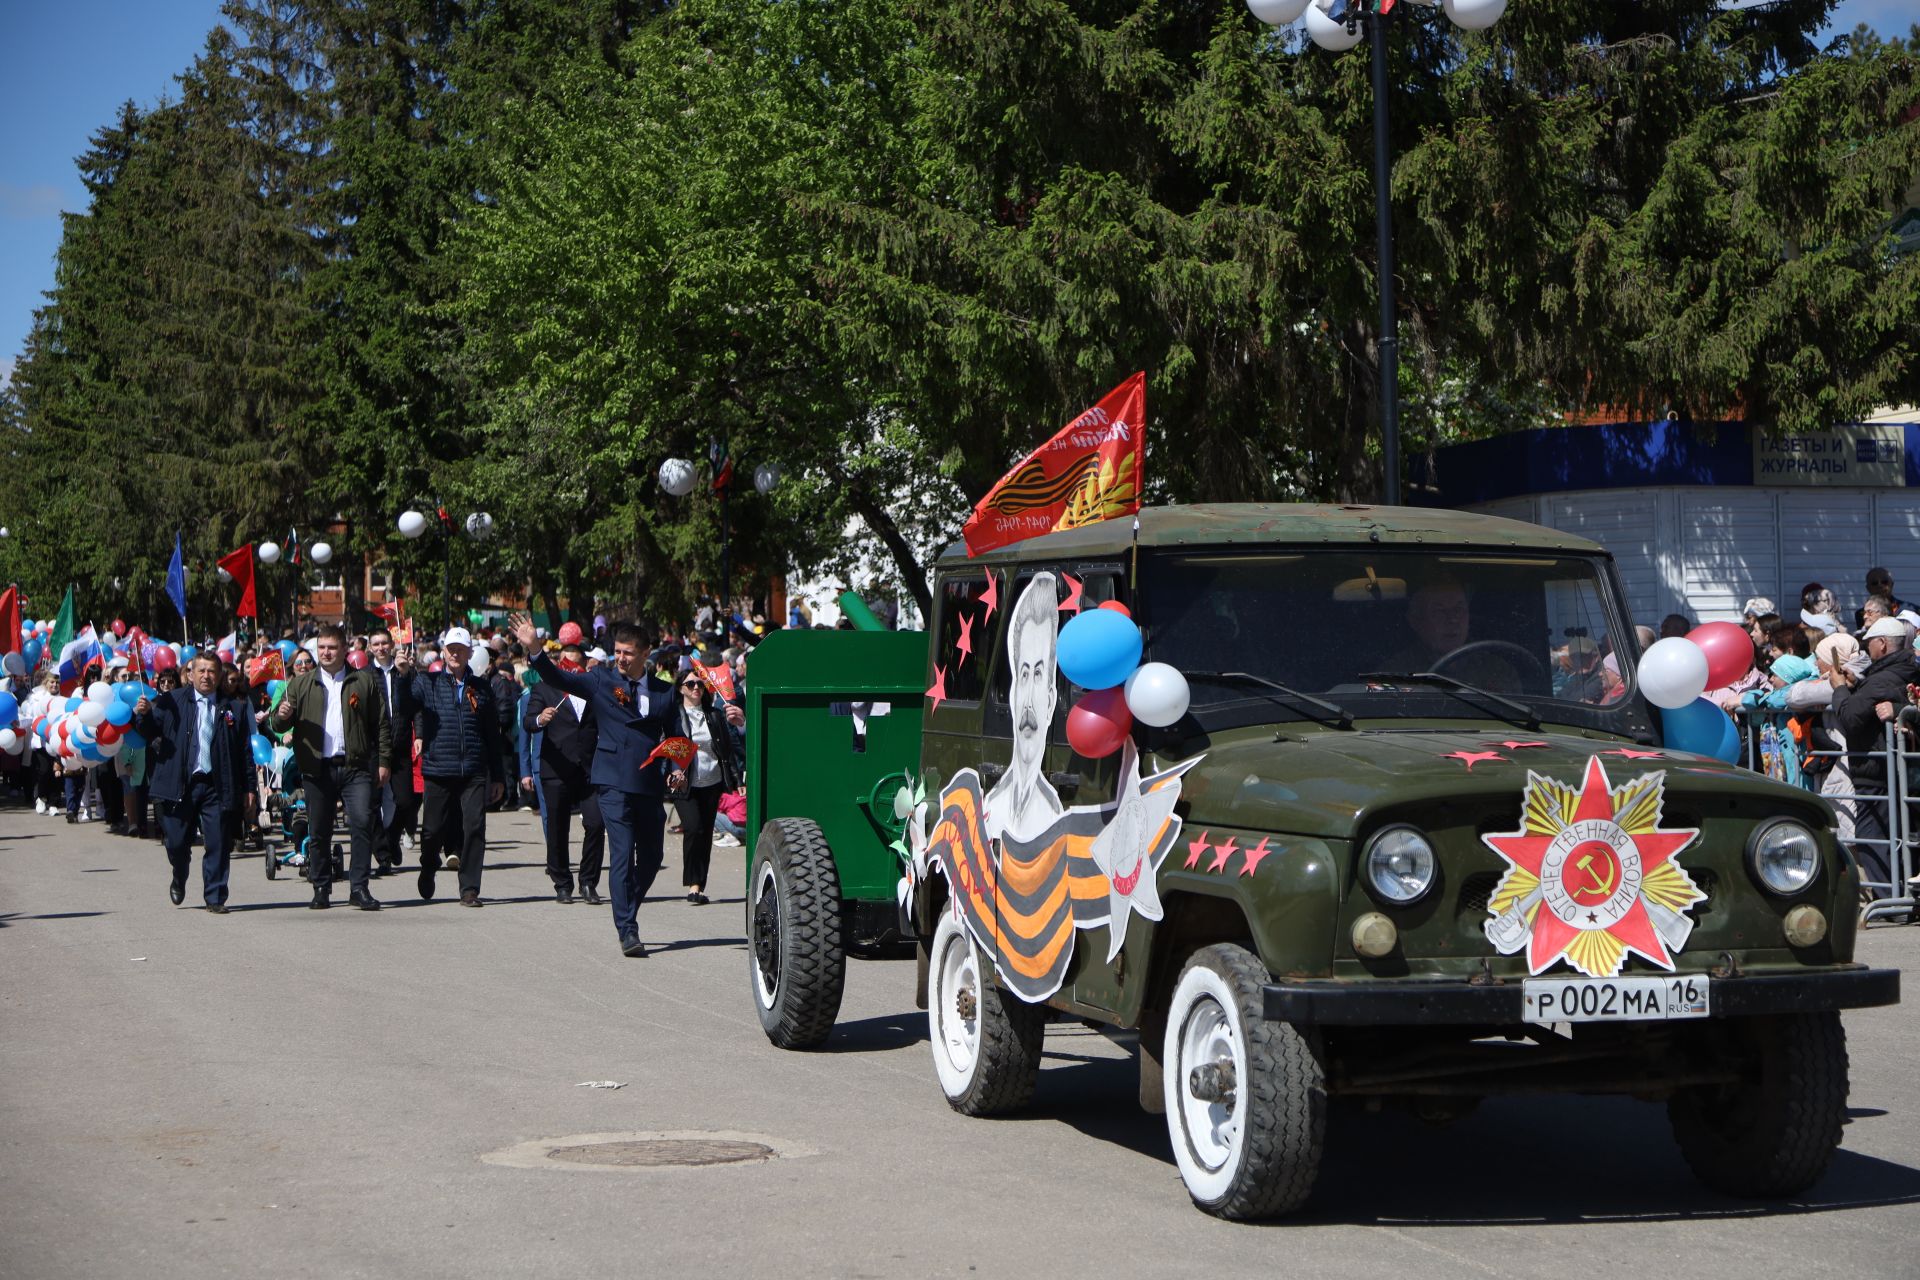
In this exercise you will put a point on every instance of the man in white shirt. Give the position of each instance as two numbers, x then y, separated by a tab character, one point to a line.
342	743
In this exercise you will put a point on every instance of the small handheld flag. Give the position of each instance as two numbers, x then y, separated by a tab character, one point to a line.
680	751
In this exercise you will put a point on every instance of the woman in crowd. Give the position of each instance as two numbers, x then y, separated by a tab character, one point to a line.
130	764
715	768
44	701
1818	610
1840	661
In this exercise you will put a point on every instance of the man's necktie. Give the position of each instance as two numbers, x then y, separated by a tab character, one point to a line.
203	734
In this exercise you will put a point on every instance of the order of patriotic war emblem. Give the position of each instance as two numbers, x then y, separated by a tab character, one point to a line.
1592	876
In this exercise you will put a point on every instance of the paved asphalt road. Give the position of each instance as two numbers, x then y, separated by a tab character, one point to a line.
281	1092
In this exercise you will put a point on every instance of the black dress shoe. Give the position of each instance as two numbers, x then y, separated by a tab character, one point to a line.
427	866
630	945
177	891
322	899
562	894
590	894
471	898
72	818
696	898
363	900
217	908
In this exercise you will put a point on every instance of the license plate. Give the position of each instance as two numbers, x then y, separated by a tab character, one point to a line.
1637	999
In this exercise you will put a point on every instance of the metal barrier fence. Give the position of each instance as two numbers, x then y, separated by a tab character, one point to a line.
1889	809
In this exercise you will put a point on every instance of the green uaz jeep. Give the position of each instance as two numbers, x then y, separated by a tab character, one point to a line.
1415	839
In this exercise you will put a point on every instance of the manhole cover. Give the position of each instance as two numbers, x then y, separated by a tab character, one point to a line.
654	1152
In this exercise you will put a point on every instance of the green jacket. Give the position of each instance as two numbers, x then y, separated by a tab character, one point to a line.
303	705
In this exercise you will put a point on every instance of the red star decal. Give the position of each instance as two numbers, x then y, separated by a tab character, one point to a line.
938	691
1550	935
1072	603
1196	850
1221	852
991	596
1472	758
966	637
1630	754
1518	746
1251	857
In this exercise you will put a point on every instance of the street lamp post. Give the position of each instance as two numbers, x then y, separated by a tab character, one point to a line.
479	526
1335	25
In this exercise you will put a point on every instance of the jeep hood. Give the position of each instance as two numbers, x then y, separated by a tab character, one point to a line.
1330	783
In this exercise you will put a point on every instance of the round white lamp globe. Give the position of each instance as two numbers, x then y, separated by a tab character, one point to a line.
1475	15
412	524
1330	33
677	477
1277	13
322	552
269	552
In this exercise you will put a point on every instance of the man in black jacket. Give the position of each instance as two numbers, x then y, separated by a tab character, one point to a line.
396	814
459	759
569	735
1862	713
199	771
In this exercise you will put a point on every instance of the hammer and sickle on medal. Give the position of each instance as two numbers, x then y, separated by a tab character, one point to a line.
1602	887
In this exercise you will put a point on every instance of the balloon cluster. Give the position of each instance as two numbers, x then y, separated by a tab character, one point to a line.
1675	672
1100	651
92	726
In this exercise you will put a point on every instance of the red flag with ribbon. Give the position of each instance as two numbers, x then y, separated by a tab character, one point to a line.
265	667
719	678
239	566
1090	471
10	620
679	750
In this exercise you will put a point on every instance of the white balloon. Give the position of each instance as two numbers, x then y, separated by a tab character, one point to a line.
1157	694
429	656
677	477
90	713
269	552
101	692
7	738
412	524
1277	13
1673	672
322	552
15	664
110	749
1329	33
1476	15
480	661
224	575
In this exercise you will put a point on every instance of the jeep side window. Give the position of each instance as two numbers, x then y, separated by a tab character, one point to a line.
1097	585
963	615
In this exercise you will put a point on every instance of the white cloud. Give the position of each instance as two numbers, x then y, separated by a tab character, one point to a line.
6	370
24	204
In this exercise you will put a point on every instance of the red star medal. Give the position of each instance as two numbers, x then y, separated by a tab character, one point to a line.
1591	876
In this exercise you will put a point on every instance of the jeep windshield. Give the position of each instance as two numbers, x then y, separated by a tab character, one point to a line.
1396	632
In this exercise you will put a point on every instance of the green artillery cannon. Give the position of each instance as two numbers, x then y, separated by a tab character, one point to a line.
833	739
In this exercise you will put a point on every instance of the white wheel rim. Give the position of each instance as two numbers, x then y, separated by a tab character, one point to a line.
1212	1129
763	883
956	1036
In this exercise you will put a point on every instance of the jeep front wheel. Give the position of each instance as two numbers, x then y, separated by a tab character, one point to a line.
986	1040
795	956
1246	1098
1772	1133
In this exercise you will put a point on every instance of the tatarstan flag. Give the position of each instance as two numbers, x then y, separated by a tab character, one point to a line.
1090	471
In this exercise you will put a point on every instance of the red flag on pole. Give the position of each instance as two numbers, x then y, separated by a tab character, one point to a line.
1088	472
10	620
239	566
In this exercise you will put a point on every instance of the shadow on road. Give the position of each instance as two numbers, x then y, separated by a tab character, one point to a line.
690	944
876	1035
14	917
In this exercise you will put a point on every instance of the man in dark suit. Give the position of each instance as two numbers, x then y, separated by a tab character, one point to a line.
630	710
569	735
342	744
396	692
199	770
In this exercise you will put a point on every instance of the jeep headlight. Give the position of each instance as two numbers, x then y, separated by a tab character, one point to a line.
1784	856
1400	865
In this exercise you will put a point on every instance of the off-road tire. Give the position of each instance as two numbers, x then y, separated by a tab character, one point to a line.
1775	1132
1259	1155
987	1064
795	887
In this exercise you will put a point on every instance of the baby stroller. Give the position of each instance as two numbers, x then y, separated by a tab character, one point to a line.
285	819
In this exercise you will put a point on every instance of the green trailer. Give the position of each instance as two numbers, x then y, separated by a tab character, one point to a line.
833	736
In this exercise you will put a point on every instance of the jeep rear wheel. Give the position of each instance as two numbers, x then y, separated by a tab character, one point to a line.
1246	1098
796	961
986	1040
1773	1133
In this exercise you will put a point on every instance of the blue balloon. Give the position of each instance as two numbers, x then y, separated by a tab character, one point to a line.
88	751
133	740
287	649
1702	728
262	750
1099	649
127	691
73	702
274	687
188	653
9	708
119	713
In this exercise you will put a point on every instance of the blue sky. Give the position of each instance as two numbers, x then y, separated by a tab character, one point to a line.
67	64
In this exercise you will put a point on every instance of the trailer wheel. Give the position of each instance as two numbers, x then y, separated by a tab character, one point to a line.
1246	1097
986	1040
1774	1132
795	954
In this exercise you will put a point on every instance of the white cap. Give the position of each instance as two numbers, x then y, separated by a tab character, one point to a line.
1886	629
456	635
1756	606
597	654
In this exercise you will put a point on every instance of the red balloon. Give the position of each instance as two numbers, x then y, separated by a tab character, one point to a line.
119	628
107	734
357	659
570	633
1117	607
434	666
164	659
1099	723
1729	651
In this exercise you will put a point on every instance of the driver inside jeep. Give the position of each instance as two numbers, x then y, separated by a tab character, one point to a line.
1440	623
